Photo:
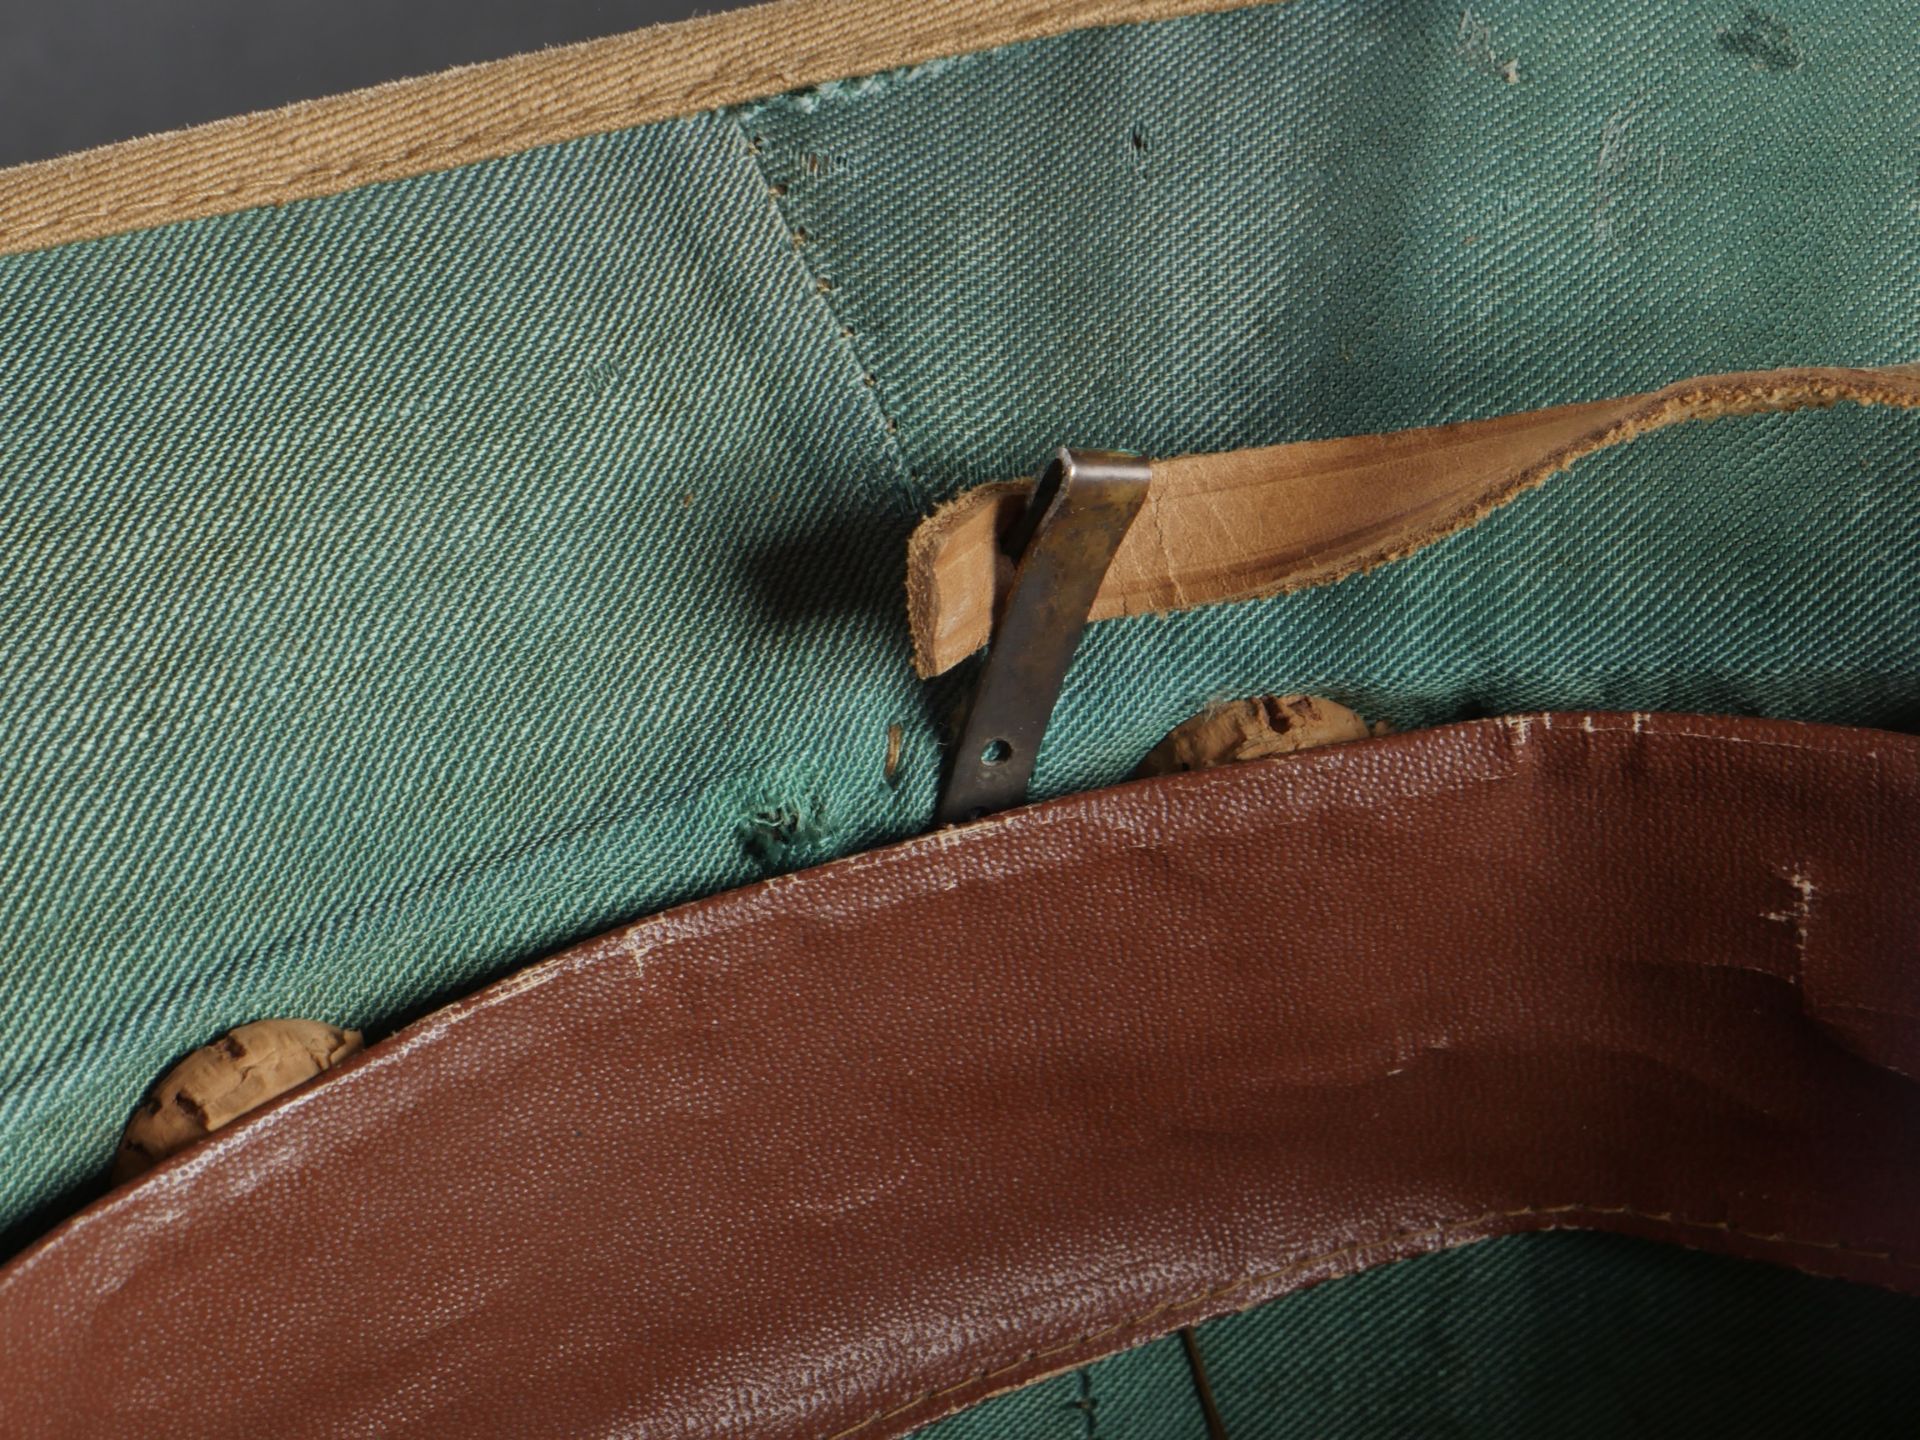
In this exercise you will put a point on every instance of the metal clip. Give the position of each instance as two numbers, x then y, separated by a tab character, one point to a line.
1082	505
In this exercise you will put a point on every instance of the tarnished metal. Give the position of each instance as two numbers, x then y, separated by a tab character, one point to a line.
1082	505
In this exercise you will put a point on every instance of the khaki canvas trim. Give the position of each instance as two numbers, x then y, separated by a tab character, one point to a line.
1250	523
481	112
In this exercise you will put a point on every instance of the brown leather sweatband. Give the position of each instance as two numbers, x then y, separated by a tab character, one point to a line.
842	1152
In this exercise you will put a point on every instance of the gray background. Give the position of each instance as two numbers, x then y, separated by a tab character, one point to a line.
75	73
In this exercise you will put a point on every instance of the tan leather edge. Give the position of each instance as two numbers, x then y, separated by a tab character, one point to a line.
840	1153
1245	524
481	112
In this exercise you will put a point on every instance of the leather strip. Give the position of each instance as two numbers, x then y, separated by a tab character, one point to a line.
481	112
1252	523
843	1152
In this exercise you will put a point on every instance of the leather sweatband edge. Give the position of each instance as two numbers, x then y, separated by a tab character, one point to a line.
842	1152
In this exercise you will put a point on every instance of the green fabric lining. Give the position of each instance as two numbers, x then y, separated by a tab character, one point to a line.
1579	1336
398	586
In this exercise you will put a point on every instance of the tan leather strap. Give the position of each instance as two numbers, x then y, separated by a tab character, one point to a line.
843	1152
1249	523
481	112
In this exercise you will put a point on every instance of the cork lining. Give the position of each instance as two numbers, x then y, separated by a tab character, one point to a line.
481	112
1251	523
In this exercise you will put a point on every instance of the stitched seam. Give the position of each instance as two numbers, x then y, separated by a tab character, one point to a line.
864	87
966	40
368	167
373	166
1355	1248
824	286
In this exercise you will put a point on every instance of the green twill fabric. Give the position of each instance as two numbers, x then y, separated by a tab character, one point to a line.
397	585
1577	1337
